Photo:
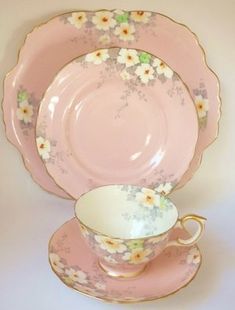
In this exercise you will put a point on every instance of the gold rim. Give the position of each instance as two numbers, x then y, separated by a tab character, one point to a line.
219	112
109	300
112	48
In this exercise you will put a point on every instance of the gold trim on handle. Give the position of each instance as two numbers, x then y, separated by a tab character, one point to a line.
200	221
194	239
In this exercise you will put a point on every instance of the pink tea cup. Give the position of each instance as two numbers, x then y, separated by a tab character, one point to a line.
127	226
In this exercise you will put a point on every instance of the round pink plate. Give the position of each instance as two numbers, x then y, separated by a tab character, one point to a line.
76	266
45	52
116	116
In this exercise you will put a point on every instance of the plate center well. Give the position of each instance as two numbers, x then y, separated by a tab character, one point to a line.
111	130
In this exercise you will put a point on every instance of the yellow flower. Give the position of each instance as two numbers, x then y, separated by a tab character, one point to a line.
137	256
162	68
104	20
145	73
44	147
148	198
98	56
25	112
78	19
202	106
125	32
111	245
129	57
140	16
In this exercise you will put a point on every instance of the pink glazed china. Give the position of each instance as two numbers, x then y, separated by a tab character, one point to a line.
45	52
76	266
130	227
116	116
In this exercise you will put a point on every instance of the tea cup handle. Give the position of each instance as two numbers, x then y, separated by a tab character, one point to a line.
190	241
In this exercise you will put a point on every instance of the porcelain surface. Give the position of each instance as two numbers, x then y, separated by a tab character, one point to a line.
45	52
130	226
116	116
77	267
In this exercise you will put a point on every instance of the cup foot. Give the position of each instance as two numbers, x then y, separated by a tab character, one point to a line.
115	273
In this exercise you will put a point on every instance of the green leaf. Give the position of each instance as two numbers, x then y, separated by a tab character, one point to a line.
22	95
122	18
144	58
135	244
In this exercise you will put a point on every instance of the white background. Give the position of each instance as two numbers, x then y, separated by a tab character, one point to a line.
29	215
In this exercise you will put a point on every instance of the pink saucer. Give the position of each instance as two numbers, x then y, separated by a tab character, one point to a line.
77	267
45	52
116	116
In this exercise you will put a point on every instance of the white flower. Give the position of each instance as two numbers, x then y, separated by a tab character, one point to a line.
56	263
110	260
162	68
129	57
103	20
76	275
145	73
202	106
148	198
100	286
44	147
25	112
110	245
125	32
77	19
164	188
140	16
137	256
125	75
98	56
104	39
193	256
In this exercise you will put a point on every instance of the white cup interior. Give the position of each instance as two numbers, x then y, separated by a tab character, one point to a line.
121	211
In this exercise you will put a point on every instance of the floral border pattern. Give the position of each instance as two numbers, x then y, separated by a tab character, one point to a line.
202	104
135	68
123	25
124	252
25	112
97	284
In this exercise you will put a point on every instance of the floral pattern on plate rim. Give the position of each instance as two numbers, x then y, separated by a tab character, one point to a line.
135	68
25	112
121	24
96	283
124	26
